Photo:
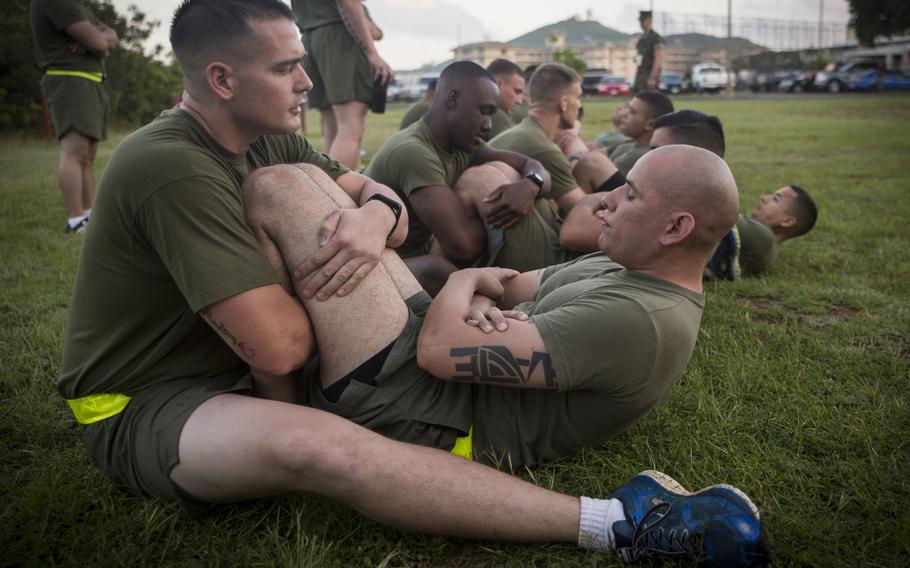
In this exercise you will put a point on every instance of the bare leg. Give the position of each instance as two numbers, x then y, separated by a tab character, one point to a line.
285	206
238	447
478	182
592	170
329	128
88	177
74	159
350	118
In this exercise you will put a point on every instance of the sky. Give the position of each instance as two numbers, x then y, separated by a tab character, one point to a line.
425	31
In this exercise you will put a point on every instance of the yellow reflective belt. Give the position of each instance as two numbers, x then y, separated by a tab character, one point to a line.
464	446
96	76
95	407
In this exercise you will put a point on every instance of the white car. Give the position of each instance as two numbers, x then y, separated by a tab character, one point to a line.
709	77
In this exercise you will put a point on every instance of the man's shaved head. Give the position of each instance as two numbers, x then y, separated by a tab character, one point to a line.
203	31
698	181
458	73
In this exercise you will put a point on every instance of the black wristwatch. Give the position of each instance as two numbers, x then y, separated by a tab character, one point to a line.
537	179
393	205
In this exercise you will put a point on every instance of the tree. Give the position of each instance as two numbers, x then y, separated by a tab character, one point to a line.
568	58
872	18
19	76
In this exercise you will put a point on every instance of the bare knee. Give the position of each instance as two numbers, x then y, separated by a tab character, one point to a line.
76	147
592	170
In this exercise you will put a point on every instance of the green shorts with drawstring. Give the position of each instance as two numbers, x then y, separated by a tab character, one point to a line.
337	66
77	104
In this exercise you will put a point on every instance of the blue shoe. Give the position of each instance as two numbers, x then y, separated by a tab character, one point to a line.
724	263
717	527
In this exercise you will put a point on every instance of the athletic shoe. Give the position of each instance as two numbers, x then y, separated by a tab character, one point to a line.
716	527
724	263
77	229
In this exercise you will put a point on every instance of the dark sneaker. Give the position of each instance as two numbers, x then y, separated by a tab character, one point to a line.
724	263
76	229
717	527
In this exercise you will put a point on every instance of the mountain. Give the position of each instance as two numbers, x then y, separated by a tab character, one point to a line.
703	41
577	31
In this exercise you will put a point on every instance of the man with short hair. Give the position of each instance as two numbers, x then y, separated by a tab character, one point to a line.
71	45
419	108
752	244
520	111
649	60
426	162
555	91
182	300
344	64
638	124
511	82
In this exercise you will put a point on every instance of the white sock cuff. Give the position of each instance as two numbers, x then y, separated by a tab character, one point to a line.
591	524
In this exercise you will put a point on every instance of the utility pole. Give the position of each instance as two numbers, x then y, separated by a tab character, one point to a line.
821	12
728	54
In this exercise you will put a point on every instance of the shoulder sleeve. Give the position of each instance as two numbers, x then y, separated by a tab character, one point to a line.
296	149
561	179
598	341
412	166
658	40
64	13
197	228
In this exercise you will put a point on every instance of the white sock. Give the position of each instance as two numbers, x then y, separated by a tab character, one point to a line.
87	213
73	221
595	526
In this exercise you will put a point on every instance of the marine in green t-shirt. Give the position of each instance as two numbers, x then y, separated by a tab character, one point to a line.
414	113
425	161
602	343
71	45
626	154
511	82
650	56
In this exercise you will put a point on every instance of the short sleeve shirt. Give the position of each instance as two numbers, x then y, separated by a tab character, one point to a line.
414	114
49	20
625	155
618	341
529	139
647	43
758	249
501	123
167	238
410	160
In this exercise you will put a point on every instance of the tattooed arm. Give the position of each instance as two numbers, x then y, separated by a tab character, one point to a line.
265	327
451	349
355	20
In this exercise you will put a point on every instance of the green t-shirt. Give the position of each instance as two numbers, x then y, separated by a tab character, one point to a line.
520	112
757	249
617	339
410	160
610	140
625	155
534	241
311	14
414	114
49	19
167	238
501	123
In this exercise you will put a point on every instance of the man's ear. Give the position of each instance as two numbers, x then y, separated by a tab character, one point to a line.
563	103
681	225
787	222
452	99
221	79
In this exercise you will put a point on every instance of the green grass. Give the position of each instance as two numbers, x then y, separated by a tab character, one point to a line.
797	392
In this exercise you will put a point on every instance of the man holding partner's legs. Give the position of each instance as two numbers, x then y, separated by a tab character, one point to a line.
181	300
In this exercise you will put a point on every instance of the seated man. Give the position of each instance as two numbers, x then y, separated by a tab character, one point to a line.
511	82
520	112
424	162
174	300
555	101
610	140
419	108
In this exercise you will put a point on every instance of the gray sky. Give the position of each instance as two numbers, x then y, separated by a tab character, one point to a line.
425	31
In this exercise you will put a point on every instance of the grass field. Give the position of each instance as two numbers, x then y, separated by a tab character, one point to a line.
798	392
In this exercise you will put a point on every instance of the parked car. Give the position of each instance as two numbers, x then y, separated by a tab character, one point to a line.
591	79
835	79
394	90
671	83
868	81
613	86
769	81
796	82
418	90
709	77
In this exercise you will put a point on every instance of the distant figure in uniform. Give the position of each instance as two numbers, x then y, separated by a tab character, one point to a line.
70	47
650	55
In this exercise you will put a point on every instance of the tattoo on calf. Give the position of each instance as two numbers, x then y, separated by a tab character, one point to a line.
495	364
248	352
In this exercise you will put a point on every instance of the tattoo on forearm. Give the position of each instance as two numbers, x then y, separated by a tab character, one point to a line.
349	24
248	352
495	364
